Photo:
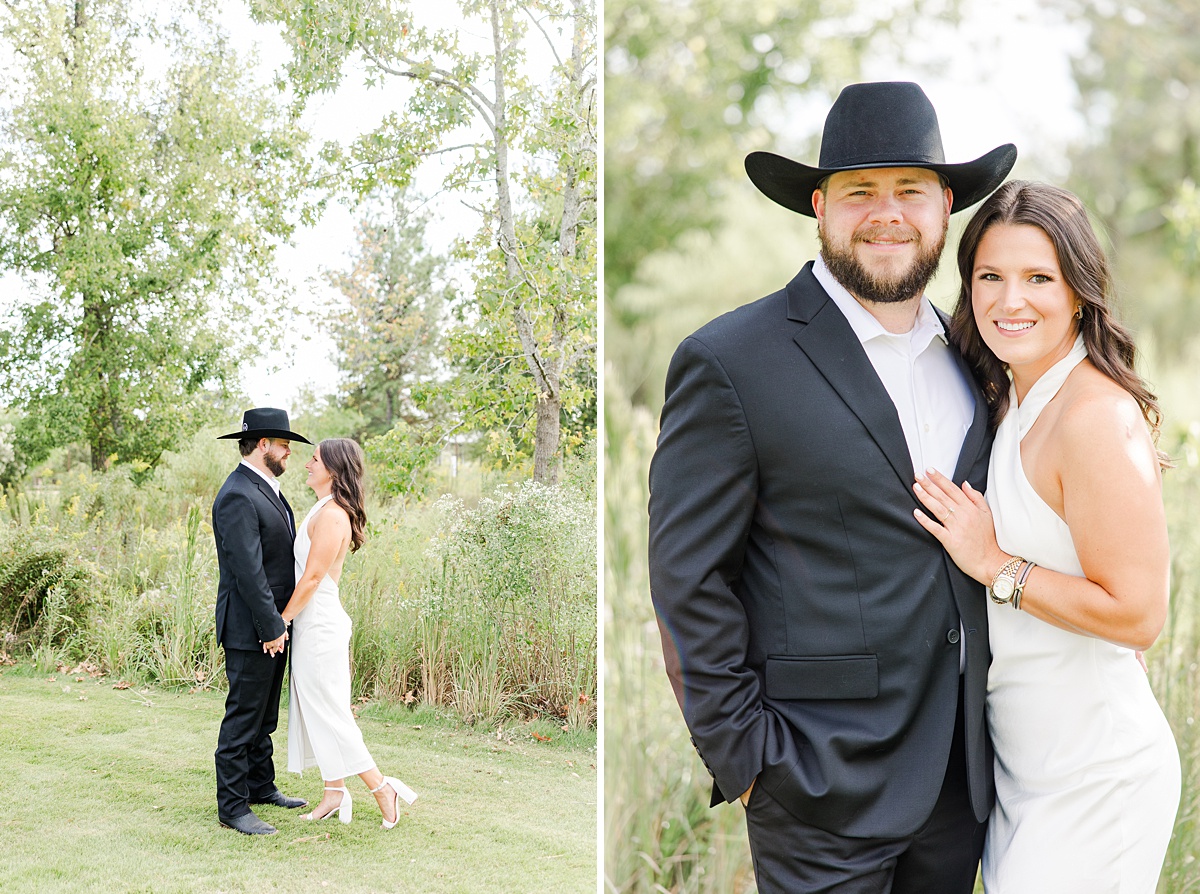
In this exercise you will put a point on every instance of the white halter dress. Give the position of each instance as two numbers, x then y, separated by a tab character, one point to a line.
1087	772
321	729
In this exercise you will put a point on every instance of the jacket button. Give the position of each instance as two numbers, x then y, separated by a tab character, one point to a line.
952	636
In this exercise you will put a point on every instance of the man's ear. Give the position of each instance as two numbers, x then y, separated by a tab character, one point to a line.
264	444
818	203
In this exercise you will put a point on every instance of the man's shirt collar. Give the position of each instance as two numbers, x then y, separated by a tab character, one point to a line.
927	326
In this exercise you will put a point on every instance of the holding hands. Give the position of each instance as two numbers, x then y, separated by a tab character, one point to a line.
963	525
275	646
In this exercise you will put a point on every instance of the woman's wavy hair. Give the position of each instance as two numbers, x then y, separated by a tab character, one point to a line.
344	460
1061	216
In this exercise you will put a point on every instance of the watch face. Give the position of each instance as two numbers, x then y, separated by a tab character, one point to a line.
1002	590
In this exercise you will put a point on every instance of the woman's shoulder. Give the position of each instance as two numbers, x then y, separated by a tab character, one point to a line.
1096	411
332	515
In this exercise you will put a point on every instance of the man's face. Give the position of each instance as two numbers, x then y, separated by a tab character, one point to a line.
882	230
276	455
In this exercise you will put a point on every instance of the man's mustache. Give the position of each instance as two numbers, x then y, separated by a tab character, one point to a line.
888	234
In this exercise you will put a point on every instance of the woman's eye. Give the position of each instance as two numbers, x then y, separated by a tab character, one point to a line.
1039	278
989	277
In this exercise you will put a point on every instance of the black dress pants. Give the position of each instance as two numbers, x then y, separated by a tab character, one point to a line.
942	857
244	757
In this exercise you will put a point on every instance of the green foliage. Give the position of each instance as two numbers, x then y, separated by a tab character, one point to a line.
102	567
1183	220
142	211
1174	672
494	390
1139	78
12	466
42	589
403	456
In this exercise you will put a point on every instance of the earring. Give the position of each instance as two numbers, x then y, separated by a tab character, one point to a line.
1079	312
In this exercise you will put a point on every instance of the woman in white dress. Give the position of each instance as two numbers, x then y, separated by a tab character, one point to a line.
321	729
1071	542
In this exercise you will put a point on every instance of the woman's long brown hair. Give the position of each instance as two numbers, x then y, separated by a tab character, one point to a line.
1062	217
344	460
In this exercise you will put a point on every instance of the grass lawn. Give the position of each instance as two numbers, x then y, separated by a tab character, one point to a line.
113	790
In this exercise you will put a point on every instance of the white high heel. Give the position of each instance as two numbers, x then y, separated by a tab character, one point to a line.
402	791
344	810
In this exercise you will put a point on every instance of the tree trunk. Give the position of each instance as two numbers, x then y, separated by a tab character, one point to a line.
545	447
549	399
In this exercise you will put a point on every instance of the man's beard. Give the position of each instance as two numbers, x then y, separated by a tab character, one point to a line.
276	465
865	285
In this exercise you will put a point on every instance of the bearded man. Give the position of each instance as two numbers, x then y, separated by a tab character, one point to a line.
829	660
255	530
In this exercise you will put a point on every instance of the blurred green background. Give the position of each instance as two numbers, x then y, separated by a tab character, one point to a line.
1100	97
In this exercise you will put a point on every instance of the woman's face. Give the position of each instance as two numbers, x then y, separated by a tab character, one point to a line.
1023	307
318	474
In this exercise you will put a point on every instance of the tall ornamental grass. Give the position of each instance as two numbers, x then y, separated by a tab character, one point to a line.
488	610
1173	662
660	834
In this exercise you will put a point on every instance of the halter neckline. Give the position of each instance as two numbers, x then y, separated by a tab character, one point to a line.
1046	387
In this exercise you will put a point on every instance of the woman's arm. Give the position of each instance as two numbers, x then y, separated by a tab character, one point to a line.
330	533
1112	500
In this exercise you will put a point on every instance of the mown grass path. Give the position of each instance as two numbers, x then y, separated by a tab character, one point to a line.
112	790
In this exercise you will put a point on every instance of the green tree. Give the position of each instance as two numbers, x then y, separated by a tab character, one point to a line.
389	332
526	139
1139	84
130	202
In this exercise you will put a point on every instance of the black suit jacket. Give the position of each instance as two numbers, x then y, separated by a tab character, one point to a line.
254	530
809	623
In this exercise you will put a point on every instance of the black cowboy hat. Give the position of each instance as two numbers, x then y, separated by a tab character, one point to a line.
266	422
890	124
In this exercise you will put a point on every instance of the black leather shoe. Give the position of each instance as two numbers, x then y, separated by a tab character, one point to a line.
279	799
249	824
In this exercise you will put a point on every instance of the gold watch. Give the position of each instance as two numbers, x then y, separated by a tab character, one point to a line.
1005	581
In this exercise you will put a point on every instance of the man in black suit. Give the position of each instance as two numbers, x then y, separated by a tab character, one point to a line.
254	529
829	659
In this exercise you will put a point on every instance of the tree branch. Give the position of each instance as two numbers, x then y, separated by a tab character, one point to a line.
549	43
441	78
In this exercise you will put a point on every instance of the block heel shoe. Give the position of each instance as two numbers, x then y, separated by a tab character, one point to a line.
402	791
344	810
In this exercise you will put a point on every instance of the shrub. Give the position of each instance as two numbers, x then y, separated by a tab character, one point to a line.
33	576
517	583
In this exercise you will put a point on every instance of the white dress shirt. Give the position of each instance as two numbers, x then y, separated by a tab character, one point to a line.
920	374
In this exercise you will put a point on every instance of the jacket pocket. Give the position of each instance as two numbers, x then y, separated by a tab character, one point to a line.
826	676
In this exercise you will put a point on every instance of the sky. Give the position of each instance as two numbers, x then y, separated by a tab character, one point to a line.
1000	76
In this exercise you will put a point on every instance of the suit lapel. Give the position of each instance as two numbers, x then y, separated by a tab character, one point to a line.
838	355
291	515
277	501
